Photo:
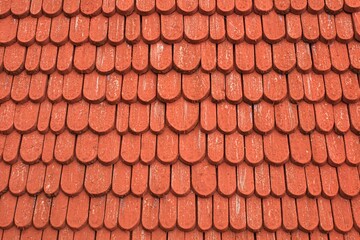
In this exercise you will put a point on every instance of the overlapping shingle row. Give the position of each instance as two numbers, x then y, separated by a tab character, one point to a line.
179	119
187	213
263	179
139	233
305	40
50	8
131	87
55	110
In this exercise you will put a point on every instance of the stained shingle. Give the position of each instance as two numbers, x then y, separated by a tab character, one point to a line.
179	119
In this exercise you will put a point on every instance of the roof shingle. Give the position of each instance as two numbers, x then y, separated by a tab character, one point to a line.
179	119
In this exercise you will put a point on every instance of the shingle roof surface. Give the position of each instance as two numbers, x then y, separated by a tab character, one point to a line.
187	119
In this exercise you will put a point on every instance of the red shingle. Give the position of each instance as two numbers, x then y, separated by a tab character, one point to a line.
351	90
8	30
244	57
327	27
354	116
215	149
307	213
186	212
7	205
253	87
52	179
84	58
167	146
196	87
263	57
208	56
237	214
105	59
295	180
277	180
272	221
336	149
7	110
86	147
26	31
113	88
121	174
38	87
24	211
78	210
254	213
65	58
235	28
43	29
234	148
125	7
172	27
165	7
18	176
48	148
188	110
79	29
313	180
262	180
26	116
97	179
123	58
352	145
59	29
329	181
245	179
196	27
187	7
130	150
192	146
148	151
4	180
5	10
300	148
344	27
233	87
311	32
139	179
348	181
226	117
334	7
203	185
226	179
315	6
140	59
159	178
355	208
51	8
343	221
293	27
289	213
326	222
31	147
264	119
42	211
225	57
72	178
186	56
